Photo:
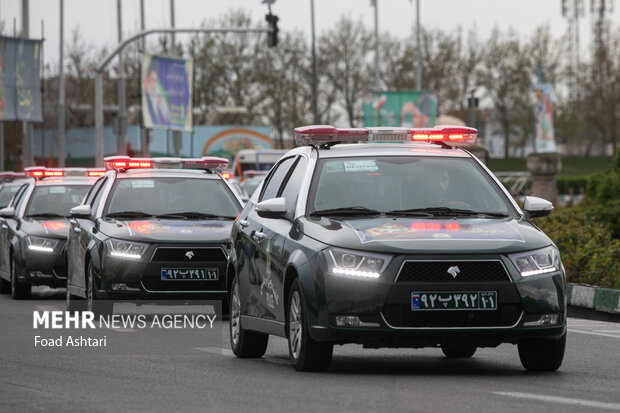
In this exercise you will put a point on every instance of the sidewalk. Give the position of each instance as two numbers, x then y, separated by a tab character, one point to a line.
604	301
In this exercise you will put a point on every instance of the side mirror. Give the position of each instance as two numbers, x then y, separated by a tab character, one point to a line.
272	208
81	211
8	212
537	207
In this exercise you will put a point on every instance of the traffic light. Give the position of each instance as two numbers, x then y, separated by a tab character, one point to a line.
272	19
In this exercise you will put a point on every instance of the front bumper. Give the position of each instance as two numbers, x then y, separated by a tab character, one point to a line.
42	268
126	279
383	308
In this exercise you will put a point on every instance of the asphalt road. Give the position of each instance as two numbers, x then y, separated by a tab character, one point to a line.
194	370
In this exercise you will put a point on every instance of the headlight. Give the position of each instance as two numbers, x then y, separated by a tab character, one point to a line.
537	262
357	264
41	244
125	249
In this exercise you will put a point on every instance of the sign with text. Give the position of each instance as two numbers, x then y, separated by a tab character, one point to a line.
167	93
20	79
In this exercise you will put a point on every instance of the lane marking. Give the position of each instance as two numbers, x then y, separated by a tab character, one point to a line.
594	333
216	350
561	400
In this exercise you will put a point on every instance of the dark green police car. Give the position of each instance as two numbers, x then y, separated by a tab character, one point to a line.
403	240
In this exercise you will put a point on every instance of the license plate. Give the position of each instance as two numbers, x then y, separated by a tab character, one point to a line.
463	300
200	274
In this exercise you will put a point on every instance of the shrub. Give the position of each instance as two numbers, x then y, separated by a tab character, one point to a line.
589	253
565	183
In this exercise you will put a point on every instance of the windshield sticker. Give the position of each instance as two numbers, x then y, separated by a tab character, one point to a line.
57	190
366	165
331	167
142	183
417	230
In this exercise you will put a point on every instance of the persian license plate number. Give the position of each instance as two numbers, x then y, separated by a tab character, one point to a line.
446	301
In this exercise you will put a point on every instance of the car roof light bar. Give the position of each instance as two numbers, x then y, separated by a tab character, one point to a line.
41	172
125	162
329	135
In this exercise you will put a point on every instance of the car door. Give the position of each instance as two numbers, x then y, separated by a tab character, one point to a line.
257	246
79	237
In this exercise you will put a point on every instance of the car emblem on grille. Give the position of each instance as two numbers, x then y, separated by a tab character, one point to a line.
454	271
189	254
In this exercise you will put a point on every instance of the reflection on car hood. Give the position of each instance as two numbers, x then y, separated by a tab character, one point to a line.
48	227
414	235
167	230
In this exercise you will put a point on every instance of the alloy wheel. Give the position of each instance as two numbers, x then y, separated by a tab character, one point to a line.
295	326
235	314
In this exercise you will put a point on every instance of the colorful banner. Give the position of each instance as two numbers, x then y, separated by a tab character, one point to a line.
406	109
167	93
20	80
545	134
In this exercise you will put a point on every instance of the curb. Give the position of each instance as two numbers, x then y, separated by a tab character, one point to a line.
596	298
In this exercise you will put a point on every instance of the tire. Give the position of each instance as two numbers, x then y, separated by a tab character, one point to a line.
458	351
306	354
5	286
73	303
19	291
542	354
244	343
93	303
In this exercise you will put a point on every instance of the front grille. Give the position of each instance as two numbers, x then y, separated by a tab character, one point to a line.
179	255
400	315
437	271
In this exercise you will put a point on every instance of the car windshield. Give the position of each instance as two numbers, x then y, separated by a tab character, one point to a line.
6	194
402	185
55	200
190	198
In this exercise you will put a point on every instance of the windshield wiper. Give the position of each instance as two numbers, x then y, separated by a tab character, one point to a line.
354	210
409	213
46	215
193	215
128	214
452	212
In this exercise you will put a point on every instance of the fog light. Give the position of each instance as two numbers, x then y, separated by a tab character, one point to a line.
119	287
347	321
544	320
38	274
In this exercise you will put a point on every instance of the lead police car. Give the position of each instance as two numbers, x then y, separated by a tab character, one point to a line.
35	227
151	229
394	244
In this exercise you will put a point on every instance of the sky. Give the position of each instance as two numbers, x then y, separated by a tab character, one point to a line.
97	22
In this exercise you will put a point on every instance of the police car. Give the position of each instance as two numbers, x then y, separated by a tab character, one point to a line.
35	227
411	242
8	186
151	229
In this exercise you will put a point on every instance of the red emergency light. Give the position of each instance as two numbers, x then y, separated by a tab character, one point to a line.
329	135
96	172
125	162
42	172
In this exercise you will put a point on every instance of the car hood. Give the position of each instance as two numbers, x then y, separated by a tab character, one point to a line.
49	227
426	236
167	230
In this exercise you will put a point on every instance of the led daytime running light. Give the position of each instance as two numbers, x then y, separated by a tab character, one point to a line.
537	272
356	273
125	255
40	249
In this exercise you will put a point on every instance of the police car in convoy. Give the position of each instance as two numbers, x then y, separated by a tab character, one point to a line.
151	229
35	227
411	242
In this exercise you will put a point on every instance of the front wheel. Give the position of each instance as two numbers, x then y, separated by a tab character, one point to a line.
244	343
306	354
5	286
542	354
19	290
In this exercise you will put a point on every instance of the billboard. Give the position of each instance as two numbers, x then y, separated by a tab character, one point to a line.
20	81
407	109
545	133
167	93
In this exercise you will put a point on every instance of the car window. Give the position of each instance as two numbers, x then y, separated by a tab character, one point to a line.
291	190
275	179
19	197
55	199
6	195
93	191
94	204
169	195
388	183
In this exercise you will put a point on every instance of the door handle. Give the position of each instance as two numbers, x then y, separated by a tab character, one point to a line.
258	235
244	223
